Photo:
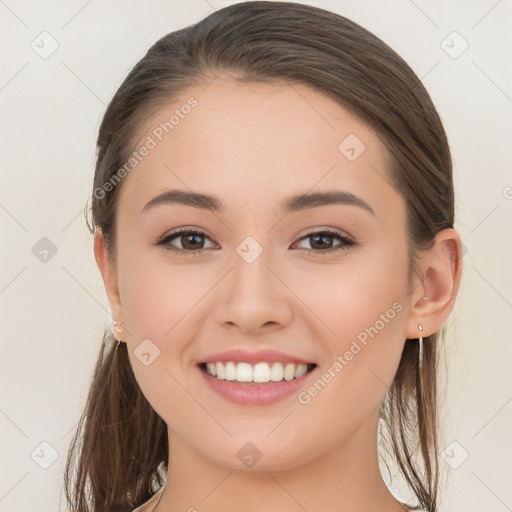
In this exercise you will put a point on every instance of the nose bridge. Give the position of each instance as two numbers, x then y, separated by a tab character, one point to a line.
251	276
254	296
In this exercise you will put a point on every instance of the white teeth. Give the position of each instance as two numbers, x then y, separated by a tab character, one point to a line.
212	369
260	372
277	372
301	370
289	371
221	371
243	372
230	371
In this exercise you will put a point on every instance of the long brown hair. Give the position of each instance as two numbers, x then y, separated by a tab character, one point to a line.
119	455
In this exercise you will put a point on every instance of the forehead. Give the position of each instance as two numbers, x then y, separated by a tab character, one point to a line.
256	142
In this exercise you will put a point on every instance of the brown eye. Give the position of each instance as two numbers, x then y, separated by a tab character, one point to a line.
321	241
191	241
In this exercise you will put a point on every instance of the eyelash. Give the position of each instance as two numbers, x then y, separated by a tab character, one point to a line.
166	239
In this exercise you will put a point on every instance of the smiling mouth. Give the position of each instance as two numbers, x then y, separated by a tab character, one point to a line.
256	374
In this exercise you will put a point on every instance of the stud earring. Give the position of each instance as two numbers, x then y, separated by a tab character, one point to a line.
116	328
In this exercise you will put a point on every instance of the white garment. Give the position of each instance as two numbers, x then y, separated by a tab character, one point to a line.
151	503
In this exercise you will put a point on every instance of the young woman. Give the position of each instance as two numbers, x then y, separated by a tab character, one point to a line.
273	219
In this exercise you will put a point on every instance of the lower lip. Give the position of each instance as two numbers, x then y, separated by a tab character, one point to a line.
255	394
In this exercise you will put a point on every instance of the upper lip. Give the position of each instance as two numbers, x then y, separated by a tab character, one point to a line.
260	356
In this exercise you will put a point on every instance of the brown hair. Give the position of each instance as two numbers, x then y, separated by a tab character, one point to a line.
119	453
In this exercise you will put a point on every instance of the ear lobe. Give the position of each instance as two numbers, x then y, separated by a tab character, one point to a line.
108	274
434	297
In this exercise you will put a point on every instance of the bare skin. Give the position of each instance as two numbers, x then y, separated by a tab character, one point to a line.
253	146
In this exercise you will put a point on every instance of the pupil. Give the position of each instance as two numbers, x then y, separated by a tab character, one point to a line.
192	236
322	237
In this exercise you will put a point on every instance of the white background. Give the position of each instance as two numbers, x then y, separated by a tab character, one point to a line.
53	313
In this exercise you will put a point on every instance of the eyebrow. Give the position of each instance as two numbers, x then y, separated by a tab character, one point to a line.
291	204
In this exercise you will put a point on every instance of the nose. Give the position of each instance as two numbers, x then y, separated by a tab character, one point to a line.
254	296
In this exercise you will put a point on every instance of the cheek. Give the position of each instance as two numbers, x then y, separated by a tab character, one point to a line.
157	294
158	302
162	303
361	304
353	295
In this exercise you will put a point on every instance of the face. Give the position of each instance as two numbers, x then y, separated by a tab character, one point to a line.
322	283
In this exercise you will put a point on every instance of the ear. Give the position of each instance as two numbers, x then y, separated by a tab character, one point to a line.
433	297
109	279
